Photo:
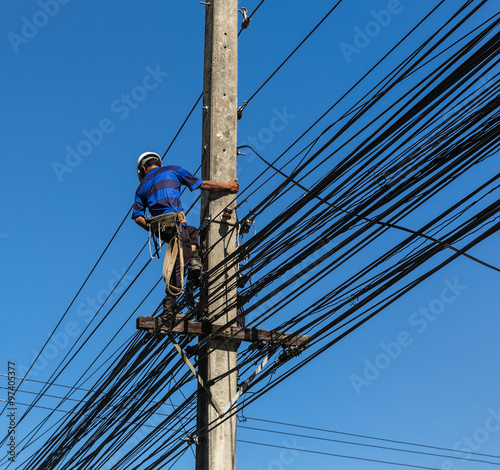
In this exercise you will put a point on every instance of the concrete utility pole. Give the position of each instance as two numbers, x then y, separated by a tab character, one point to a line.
216	449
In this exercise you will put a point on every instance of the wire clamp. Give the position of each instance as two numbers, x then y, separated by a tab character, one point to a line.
240	110
242	280
246	19
289	353
191	440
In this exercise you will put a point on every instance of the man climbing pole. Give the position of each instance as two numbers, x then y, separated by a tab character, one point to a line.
159	192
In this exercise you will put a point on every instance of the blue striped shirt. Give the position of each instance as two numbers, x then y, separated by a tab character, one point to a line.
159	191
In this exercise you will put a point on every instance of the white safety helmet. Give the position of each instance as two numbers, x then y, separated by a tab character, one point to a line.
143	159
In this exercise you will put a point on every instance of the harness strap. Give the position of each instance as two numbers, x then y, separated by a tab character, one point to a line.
174	249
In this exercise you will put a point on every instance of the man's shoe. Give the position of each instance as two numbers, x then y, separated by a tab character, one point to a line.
195	268
195	265
168	309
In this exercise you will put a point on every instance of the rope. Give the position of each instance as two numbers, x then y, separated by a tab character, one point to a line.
174	249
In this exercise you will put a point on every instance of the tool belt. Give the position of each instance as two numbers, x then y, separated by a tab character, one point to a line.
165	222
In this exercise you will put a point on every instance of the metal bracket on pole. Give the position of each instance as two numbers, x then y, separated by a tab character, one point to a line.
195	373
206	222
247	383
191	440
246	19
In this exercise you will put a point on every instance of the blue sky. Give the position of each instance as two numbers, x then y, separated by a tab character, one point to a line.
96	84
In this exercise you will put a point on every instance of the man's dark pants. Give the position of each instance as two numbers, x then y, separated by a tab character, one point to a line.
189	236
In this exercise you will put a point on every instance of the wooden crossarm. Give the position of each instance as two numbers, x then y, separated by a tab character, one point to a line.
154	324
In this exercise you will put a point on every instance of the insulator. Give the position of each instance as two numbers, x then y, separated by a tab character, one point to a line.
245	226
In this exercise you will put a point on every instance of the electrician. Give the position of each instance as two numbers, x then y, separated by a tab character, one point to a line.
159	192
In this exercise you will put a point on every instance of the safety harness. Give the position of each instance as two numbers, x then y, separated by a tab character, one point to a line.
170	222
